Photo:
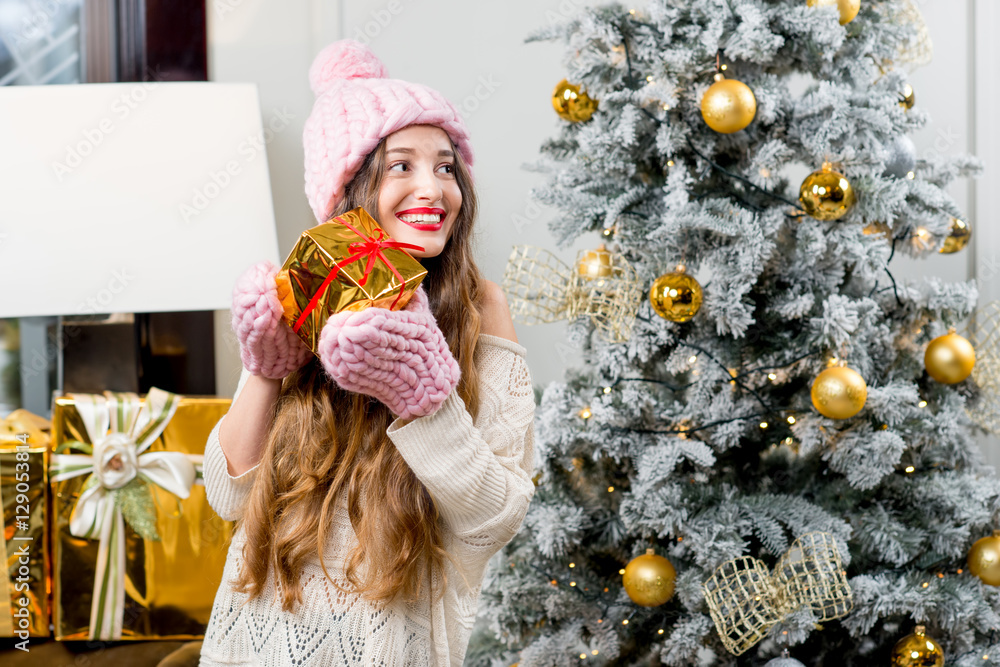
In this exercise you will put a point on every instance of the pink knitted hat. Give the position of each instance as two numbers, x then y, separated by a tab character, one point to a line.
356	106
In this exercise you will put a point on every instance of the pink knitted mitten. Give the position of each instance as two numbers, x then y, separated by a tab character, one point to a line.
268	347
399	357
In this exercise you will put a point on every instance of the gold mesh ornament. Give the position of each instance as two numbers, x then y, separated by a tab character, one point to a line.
541	288
746	600
916	51
985	338
920	50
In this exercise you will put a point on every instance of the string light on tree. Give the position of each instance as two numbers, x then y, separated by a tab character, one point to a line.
959	235
676	296
826	194
848	8
571	103
877	228
728	105
649	579
839	392
922	238
950	358
917	650
984	559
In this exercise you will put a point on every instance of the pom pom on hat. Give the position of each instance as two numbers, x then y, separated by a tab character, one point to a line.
346	59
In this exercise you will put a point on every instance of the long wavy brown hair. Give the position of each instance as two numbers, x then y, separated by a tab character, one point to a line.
325	443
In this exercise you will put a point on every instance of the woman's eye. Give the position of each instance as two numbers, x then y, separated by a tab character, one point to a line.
402	165
450	168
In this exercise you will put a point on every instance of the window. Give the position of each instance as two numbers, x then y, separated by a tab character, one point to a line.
40	42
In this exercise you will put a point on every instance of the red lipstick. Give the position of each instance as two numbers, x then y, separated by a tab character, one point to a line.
423	210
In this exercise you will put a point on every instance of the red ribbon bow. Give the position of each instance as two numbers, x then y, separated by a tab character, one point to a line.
371	248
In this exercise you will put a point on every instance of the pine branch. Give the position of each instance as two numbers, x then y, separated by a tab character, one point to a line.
742	179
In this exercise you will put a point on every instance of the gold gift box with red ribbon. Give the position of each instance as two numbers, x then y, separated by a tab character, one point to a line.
348	263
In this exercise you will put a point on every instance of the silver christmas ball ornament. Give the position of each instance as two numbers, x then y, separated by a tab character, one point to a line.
902	157
784	662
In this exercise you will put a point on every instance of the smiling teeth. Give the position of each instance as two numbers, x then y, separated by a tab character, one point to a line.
422	217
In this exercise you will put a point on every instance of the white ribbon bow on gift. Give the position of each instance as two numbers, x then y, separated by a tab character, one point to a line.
122	428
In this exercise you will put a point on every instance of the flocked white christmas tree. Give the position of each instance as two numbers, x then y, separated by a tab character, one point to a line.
700	439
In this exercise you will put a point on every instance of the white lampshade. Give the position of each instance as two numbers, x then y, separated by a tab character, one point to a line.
131	197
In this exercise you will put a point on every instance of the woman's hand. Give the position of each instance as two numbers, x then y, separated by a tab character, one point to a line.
399	357
268	347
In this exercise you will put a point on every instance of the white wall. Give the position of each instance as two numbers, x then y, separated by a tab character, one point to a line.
272	44
473	52
985	21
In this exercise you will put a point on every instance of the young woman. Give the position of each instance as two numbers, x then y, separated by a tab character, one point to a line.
372	482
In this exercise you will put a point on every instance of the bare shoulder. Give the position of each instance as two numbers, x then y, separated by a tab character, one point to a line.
495	313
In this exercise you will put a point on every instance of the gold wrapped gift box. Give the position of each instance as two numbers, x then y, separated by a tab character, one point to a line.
349	263
24	599
170	583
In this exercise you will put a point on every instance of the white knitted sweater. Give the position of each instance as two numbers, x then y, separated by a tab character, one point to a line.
479	475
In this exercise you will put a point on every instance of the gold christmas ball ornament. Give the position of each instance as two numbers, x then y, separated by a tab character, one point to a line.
675	296
826	194
848	8
571	103
594	263
917	650
950	358
958	237
728	105
984	559
839	392
907	98
649	579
